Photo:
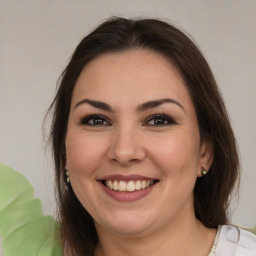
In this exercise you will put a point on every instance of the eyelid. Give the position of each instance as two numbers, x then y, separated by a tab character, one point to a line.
84	120
170	120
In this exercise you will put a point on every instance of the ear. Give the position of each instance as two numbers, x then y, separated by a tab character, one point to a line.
205	156
66	165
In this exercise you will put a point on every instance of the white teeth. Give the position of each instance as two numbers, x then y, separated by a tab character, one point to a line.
122	186
143	184
110	184
138	185
129	186
115	185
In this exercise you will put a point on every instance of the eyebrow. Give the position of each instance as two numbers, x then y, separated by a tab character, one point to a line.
96	104
156	103
143	107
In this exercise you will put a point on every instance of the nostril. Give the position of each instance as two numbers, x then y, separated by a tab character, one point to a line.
125	162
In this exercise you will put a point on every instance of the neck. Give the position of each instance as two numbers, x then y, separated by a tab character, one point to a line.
189	237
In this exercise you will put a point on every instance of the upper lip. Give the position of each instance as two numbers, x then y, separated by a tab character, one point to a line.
119	177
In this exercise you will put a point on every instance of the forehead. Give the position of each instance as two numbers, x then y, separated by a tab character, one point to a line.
125	75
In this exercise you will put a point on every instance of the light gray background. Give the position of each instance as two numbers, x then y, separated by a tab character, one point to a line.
38	37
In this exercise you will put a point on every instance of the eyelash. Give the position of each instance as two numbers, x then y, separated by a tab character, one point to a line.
167	120
104	121
86	120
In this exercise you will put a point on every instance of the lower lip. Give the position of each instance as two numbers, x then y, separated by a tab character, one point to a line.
127	196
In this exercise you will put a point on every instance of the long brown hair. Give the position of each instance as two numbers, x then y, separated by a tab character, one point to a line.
212	192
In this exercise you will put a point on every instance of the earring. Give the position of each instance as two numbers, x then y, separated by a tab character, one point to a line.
203	171
68	184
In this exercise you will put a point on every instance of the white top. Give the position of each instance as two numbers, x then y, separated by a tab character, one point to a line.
233	241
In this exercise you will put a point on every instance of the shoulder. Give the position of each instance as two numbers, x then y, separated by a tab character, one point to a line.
235	241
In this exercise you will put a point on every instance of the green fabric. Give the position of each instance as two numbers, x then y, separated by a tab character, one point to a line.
253	230
23	228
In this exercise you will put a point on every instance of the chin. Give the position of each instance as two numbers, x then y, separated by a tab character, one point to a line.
128	225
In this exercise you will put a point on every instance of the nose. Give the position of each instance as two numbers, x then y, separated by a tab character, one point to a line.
126	147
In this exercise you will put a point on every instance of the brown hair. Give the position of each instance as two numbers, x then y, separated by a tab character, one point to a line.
212	192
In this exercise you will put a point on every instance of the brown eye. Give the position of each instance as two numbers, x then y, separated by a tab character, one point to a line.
160	120
94	120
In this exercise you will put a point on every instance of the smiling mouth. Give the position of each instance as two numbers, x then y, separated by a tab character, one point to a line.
128	186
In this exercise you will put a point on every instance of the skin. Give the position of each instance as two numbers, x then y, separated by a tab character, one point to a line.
127	141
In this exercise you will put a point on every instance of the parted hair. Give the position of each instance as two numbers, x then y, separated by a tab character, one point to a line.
212	192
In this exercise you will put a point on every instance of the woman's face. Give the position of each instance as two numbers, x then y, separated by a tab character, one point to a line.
133	145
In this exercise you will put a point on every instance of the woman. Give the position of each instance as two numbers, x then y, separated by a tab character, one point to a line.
142	139
145	156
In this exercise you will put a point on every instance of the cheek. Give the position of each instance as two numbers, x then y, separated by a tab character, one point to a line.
177	154
84	153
